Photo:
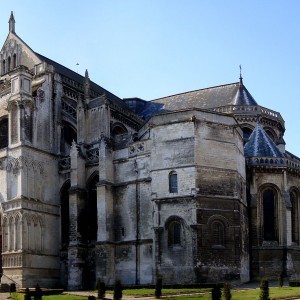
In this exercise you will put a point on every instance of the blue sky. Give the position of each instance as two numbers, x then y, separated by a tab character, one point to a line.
156	48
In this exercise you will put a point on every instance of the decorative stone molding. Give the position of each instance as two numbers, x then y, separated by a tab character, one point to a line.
21	162
136	149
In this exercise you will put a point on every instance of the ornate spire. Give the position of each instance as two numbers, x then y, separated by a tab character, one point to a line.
86	86
12	23
241	78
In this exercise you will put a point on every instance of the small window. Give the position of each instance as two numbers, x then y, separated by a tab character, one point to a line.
173	183
218	233
174	233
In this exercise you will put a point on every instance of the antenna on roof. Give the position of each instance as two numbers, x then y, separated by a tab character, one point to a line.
241	78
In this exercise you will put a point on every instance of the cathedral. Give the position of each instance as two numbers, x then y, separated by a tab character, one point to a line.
195	187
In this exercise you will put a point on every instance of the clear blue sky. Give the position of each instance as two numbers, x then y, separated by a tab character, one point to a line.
155	48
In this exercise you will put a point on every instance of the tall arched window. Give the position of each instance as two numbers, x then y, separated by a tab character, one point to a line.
218	233
8	63
173	183
88	223
3	67
14	61
68	135
3	133
174	233
294	216
269	215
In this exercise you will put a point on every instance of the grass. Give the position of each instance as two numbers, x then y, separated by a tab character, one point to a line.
250	294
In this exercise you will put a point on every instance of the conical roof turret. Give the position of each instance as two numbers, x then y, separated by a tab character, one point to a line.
261	145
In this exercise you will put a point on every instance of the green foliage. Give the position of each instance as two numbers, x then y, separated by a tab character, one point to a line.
158	287
264	289
226	291
38	294
118	290
216	293
101	289
280	279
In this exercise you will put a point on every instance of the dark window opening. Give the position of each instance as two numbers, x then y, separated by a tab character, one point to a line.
294	217
246	134
271	135
68	135
3	67
117	130
14	61
269	215
65	219
173	183
4	133
174	233
8	63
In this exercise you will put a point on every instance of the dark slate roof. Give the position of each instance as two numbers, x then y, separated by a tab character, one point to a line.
77	77
229	94
223	95
261	145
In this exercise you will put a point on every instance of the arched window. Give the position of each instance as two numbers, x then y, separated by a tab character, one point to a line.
294	216
14	61
118	129
218	233
8	63
68	134
3	133
269	215
270	134
88	223
173	183
174	233
3	66
246	133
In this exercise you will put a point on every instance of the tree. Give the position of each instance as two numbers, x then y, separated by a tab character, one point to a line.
158	287
226	291
27	294
118	290
101	289
264	289
38	293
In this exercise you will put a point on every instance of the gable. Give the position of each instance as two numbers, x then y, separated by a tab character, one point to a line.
16	52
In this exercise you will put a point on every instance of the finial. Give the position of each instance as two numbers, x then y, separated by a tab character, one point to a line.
241	78
86	86
12	23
